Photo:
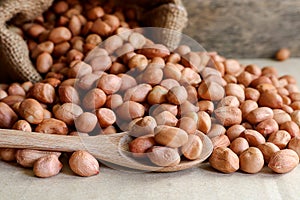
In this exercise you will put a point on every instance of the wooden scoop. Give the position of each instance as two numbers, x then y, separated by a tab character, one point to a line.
108	148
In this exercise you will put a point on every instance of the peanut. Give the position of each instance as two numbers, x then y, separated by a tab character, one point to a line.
206	106
282	54
113	101
228	115
157	95
47	166
105	116
216	130
190	77
251	160
166	118
43	92
251	94
100	63
280	138
229	101
294	144
130	110
193	148
68	94
182	50
220	141
295	96
204	122
141	145
192	94
211	91
8	154
281	117
75	25
87	81
44	62
232	89
155	110
127	82
138	61
60	34
3	94
35	30
234	131
284	161
61	49
144	126
245	78
7	115
13	99
170	136
137	40
109	83
291	127
83	164
268	149
295	105
22	125
15	89
224	159
248	106
259	114
52	126
154	50
169	83
94	99
138	93
270	99
171	72
95	13
232	66
60	7
152	75
187	124
79	69
86	122
67	112
295	116
260	80
239	145
266	88
267	127
192	60
112	43
32	111
164	156
27	157
46	47
254	138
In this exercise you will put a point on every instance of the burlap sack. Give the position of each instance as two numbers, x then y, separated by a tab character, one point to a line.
14	55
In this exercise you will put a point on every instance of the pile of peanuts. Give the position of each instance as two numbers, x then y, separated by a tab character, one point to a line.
57	41
164	99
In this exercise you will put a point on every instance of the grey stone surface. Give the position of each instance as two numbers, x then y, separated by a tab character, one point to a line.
245	28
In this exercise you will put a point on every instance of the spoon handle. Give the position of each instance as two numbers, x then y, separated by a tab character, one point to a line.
39	141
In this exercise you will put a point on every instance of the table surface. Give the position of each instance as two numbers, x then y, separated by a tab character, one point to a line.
198	183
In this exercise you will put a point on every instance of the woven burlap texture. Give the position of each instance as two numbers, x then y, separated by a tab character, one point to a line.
14	54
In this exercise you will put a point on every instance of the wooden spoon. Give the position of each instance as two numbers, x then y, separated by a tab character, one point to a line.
108	148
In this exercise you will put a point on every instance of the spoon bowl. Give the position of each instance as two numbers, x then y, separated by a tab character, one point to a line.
108	148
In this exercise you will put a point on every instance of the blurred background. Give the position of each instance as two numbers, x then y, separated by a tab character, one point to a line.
245	28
